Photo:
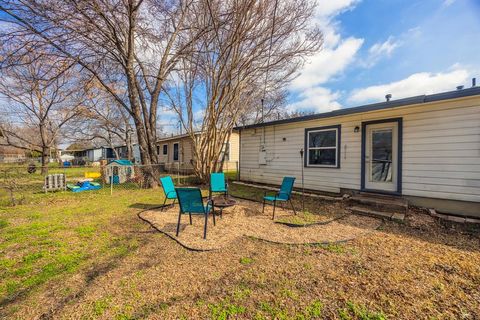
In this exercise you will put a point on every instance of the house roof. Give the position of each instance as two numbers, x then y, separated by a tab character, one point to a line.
179	136
175	137
474	91
122	162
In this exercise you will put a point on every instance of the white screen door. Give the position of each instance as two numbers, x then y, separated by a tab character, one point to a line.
381	154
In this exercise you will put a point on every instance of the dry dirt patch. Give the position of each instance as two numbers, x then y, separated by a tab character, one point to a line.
246	219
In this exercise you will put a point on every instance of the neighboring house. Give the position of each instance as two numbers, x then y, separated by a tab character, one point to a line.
11	155
123	153
424	148
177	152
93	154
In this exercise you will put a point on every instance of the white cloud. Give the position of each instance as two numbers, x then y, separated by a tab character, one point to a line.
318	99
385	48
381	50
334	7
415	84
447	3
331	61
327	64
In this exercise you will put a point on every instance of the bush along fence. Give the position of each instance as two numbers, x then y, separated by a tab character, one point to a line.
23	183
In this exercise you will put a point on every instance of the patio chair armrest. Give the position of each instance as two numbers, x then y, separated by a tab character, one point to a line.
168	193
209	201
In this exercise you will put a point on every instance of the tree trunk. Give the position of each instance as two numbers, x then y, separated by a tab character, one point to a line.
44	160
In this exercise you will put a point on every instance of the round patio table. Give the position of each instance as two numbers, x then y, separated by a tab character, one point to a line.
222	202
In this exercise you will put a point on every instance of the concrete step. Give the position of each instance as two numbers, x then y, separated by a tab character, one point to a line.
381	203
396	216
378	195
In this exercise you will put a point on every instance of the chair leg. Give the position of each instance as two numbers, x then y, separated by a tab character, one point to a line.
291	203
213	214
178	223
163	205
190	214
263	209
205	227
274	205
173	203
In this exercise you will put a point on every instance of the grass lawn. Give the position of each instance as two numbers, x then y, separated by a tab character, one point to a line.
88	256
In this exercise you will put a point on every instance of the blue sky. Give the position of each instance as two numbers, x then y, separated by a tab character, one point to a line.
375	47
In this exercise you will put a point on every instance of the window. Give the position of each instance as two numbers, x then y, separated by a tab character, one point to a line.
165	149
175	152
322	147
225	155
158	150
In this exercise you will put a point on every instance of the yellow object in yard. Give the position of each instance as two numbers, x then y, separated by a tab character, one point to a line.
93	175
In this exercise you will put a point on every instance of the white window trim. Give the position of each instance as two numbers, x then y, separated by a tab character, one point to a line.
322	148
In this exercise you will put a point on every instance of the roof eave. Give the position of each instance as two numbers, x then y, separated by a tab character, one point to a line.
374	107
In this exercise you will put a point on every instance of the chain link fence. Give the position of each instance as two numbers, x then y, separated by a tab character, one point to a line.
24	183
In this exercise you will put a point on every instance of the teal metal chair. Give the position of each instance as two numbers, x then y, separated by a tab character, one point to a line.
168	189
190	200
218	183
284	195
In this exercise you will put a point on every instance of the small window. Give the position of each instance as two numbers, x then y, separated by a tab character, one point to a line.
322	147
158	149
226	151
165	149
175	152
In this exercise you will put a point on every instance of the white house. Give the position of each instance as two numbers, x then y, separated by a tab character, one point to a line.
424	148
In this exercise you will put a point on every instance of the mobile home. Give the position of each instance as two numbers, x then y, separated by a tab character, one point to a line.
425	149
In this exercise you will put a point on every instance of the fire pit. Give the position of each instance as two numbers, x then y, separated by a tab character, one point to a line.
222	202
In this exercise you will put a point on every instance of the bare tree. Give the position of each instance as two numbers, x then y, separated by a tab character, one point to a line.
264	108
103	121
135	42
41	97
252	50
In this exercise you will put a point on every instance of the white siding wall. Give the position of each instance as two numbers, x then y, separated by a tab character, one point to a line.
441	151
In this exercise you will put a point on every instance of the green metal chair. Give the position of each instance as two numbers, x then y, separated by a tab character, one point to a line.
168	189
190	200
285	194
218	183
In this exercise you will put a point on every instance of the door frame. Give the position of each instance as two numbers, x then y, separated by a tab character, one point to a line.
399	122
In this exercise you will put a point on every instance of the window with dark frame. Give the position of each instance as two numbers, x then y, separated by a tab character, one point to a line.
165	149
323	147
226	152
175	152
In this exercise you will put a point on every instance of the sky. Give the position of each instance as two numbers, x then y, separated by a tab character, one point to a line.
378	47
